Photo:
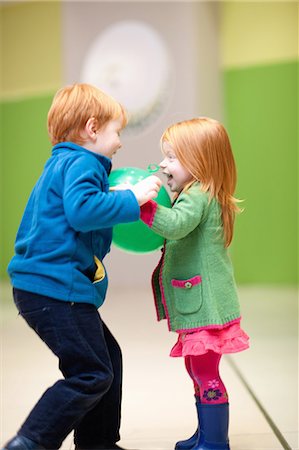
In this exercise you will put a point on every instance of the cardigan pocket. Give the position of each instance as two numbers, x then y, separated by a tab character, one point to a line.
187	294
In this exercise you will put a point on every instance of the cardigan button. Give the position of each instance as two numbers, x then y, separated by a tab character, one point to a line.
188	285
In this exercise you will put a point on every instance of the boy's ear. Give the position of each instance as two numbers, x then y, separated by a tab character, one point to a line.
90	128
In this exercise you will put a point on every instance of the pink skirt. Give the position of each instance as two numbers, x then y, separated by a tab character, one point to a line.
231	339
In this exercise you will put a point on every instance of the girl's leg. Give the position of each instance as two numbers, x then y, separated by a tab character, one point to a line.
189	370
189	443
204	370
213	407
209	392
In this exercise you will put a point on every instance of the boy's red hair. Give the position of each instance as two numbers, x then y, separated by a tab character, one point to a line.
73	105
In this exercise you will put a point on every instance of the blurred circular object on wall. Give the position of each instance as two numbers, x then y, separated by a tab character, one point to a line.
130	61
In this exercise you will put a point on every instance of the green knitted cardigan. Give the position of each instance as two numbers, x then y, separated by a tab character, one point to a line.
193	284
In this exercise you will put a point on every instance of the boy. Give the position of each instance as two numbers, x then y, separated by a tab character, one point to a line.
58	276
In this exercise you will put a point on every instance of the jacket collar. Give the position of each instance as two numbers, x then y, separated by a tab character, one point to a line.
104	160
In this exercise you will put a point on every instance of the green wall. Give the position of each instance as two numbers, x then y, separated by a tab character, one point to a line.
259	59
261	110
25	148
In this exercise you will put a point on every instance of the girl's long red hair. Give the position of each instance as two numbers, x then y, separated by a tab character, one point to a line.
203	147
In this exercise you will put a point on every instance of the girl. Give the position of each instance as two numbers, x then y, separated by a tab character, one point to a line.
193	284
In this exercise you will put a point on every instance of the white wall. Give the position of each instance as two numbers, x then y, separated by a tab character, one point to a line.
190	31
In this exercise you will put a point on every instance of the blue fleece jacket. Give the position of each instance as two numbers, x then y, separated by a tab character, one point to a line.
68	222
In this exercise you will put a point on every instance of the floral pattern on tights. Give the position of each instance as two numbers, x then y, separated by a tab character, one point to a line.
213	393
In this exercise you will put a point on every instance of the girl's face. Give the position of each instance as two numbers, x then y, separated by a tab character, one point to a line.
177	175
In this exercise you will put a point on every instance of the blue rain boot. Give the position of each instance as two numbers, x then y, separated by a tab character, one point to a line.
213	427
189	443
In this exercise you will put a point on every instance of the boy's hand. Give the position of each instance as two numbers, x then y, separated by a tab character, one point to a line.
146	189
120	187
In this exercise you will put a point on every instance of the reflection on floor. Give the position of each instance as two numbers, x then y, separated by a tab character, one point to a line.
158	406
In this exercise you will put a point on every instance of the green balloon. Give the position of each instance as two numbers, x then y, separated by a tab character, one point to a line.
136	237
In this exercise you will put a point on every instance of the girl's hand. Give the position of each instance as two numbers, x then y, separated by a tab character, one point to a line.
146	189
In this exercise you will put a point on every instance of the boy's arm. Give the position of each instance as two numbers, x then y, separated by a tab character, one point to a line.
88	207
180	220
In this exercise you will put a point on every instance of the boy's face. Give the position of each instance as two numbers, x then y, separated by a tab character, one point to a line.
108	138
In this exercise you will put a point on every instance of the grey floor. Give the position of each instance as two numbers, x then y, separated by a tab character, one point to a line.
158	406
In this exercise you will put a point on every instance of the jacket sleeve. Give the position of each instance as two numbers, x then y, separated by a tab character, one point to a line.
87	206
180	220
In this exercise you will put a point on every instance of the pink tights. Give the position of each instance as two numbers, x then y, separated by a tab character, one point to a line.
204	371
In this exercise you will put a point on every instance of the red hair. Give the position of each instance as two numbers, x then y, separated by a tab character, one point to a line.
203	147
73	105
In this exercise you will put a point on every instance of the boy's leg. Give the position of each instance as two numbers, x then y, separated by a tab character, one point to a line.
74	332
101	424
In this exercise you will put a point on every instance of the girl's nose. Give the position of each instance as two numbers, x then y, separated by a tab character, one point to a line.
162	164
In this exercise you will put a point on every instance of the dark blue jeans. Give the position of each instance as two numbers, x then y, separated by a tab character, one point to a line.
88	398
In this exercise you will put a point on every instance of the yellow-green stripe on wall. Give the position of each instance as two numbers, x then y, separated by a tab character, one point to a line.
255	33
30	48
